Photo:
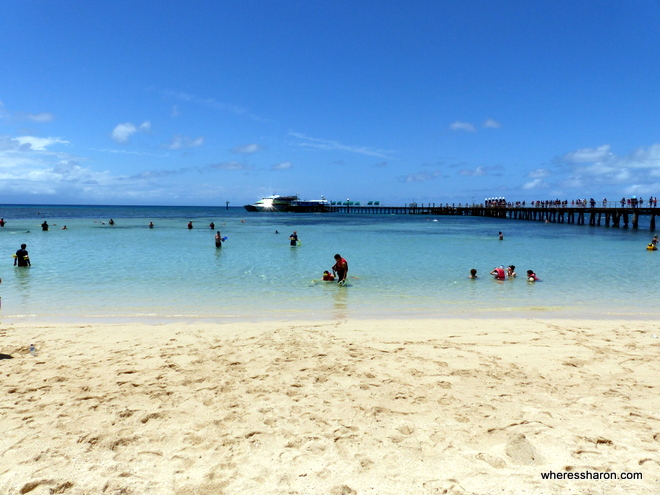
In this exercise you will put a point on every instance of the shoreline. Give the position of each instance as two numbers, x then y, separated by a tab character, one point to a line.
453	405
342	314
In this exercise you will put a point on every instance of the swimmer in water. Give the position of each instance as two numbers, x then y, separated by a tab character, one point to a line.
499	273
473	273
531	276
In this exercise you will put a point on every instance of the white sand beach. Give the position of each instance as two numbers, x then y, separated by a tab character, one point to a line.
469	406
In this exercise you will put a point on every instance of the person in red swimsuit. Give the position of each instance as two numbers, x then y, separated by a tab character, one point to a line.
499	273
340	269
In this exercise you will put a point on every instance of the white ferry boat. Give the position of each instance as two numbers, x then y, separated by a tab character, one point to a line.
276	202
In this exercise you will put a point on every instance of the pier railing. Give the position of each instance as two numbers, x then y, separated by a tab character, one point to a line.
612	215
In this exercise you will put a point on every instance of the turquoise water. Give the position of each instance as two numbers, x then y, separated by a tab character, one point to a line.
406	265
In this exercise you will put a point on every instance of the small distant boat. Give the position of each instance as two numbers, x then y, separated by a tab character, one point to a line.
277	203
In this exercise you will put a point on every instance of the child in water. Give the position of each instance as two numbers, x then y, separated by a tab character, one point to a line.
531	276
327	276
473	273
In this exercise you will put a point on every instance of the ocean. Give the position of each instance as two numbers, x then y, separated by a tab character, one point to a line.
400	266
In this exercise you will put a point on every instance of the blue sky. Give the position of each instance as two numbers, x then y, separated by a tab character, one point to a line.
202	102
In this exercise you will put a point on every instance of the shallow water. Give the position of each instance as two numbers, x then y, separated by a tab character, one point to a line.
404	266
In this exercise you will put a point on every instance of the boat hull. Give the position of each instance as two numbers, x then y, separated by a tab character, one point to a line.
288	204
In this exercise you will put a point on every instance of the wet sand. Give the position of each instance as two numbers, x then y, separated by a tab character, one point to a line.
469	406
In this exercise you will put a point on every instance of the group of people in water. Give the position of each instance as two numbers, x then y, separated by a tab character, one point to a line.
339	269
501	273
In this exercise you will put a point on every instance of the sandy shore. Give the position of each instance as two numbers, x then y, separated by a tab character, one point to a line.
374	407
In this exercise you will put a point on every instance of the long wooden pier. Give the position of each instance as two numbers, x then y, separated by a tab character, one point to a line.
609	216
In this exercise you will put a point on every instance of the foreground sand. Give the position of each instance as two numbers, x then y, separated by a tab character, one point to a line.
373	407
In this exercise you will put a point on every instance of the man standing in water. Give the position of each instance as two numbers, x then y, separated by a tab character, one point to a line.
218	240
22	258
340	269
294	238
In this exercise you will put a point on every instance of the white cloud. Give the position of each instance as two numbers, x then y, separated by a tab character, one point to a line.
586	155
231	165
247	149
282	166
535	184
492	124
178	142
122	132
591	167
4	113
23	116
38	117
462	126
211	103
325	144
126	152
477	172
39	144
639	189
420	177
648	157
539	173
